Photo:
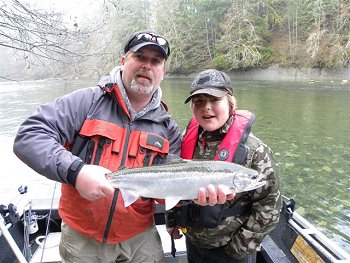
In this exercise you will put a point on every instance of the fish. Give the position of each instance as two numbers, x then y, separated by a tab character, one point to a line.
181	180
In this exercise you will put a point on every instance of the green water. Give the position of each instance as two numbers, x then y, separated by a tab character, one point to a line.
307	125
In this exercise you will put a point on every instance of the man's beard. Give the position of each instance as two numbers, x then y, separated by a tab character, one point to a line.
141	90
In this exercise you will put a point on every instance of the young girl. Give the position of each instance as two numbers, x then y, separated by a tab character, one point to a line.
230	232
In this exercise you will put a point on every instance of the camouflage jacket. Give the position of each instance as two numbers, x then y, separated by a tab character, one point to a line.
241	235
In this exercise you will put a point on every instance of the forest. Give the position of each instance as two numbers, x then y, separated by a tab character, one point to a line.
231	35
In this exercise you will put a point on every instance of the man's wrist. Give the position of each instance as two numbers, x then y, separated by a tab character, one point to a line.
74	170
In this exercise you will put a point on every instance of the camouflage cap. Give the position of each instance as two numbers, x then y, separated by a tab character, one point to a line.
212	82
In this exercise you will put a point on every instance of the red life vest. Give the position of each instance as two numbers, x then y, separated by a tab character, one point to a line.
232	146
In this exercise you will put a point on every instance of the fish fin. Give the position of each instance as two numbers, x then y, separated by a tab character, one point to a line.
129	197
170	202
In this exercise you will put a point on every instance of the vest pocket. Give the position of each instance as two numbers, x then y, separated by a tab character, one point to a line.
146	149
99	142
106	144
83	148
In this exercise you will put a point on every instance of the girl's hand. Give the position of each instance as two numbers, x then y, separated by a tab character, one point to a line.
215	196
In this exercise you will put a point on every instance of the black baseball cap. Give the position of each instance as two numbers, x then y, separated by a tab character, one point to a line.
211	82
143	38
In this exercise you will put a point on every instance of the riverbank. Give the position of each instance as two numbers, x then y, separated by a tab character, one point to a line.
276	72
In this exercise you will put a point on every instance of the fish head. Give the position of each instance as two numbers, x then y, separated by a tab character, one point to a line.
244	181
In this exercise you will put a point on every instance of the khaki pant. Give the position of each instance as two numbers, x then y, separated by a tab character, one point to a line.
142	248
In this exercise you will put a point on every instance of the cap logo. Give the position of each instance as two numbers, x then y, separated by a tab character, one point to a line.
203	80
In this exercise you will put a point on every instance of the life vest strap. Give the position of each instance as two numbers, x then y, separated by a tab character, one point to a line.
236	211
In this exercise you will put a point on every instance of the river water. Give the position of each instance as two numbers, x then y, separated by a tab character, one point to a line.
307	125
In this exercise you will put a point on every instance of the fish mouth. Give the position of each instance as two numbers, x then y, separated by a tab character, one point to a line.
252	187
258	185
245	182
261	180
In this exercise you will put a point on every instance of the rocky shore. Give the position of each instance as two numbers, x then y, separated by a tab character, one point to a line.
277	72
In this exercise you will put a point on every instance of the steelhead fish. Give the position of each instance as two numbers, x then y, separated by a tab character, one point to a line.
181	180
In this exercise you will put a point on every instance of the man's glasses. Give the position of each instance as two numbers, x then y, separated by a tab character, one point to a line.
148	37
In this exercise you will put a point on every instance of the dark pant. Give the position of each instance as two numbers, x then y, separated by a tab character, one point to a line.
215	255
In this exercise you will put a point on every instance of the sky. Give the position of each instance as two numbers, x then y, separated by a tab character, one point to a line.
73	10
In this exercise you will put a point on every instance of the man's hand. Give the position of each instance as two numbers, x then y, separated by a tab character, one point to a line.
92	184
215	196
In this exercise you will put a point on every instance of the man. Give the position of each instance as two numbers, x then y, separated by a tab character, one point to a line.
82	136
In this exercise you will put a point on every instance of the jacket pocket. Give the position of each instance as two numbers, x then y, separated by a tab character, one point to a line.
146	149
99	142
83	148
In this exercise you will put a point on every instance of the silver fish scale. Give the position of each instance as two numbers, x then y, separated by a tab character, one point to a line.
186	166
183	179
184	185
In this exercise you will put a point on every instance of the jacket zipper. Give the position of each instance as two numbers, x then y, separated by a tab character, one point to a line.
116	192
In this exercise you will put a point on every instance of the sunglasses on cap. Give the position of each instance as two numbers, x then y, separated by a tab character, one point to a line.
149	38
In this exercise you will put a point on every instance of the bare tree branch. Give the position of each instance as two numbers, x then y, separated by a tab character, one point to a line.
41	35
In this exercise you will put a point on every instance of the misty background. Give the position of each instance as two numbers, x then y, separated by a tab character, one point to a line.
84	39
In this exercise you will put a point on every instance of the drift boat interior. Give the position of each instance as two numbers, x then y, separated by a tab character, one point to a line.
31	233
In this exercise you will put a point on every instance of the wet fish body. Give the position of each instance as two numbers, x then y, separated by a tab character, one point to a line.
181	180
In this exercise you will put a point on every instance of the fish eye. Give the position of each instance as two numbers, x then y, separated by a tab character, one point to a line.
254	177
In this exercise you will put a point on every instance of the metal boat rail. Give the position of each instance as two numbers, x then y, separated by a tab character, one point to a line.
317	239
